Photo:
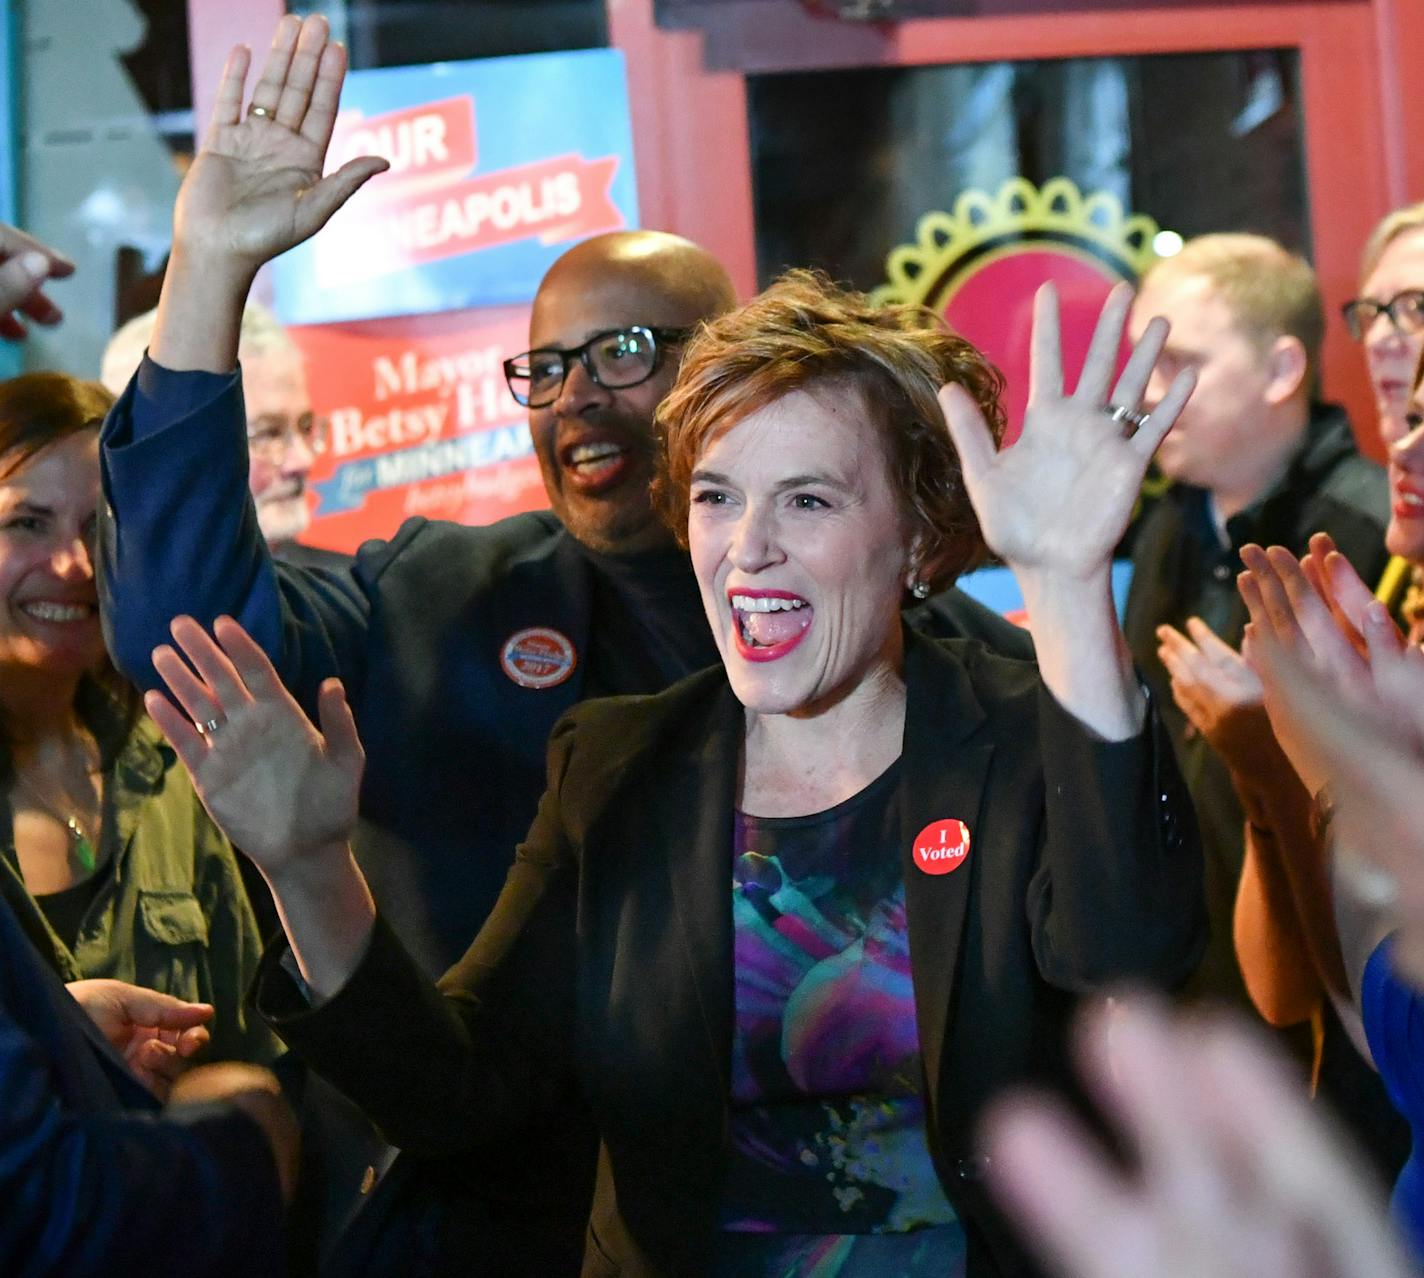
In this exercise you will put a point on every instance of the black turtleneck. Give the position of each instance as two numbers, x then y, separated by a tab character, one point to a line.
648	628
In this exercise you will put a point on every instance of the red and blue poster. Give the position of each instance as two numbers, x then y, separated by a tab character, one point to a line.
421	423
497	167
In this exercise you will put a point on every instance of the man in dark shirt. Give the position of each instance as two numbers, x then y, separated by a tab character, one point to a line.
1254	458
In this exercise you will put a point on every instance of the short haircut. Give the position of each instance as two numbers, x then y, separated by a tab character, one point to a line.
1390	228
260	332
805	333
1270	291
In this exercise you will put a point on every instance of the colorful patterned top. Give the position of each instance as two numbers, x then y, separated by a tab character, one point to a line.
830	1173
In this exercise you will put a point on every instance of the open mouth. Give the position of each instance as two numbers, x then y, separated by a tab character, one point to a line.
595	466
56	612
1408	501
768	623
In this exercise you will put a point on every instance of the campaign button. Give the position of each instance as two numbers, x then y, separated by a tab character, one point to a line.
538	657
942	846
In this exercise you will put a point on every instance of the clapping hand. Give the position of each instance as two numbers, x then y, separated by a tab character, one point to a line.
1354	719
256	188
1235	1174
1218	691
1318	613
1059	499
278	788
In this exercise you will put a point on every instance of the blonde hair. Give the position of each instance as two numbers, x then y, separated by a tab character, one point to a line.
805	333
1270	291
1390	228
260	332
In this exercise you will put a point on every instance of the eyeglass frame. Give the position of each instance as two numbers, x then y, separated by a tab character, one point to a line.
660	336
315	440
1382	308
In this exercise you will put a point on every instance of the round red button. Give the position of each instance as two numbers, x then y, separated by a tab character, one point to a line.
942	846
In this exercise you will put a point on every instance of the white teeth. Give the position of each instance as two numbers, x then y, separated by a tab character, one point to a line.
45	611
765	603
593	452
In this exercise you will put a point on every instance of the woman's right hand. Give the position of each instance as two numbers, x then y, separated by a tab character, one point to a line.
255	188
281	790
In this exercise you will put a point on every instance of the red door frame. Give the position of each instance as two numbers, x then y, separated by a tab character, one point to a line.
1364	133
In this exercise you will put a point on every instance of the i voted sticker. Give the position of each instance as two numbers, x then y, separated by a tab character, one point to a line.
942	846
538	657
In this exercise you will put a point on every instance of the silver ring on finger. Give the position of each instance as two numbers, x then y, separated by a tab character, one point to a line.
259	113
207	727
1132	421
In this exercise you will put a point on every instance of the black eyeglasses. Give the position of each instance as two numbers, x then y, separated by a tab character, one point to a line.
617	359
1405	311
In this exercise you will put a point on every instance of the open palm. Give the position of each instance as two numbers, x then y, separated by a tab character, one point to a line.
275	785
1059	498
255	188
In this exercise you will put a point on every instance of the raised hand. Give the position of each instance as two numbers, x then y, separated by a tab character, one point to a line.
1217	690
1059	499
278	788
157	1035
1235	1174
256	188
25	266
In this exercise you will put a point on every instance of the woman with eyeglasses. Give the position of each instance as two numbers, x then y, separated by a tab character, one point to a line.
1388	315
108	859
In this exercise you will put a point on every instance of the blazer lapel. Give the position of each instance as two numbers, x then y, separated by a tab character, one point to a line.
943	769
700	798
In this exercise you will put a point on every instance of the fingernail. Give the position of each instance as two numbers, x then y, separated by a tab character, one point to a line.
35	265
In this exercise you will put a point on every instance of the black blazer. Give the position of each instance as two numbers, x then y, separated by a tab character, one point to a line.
607	964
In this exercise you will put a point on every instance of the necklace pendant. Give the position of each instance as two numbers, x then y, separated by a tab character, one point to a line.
83	849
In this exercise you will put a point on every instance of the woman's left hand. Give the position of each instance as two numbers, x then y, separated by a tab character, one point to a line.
1059	499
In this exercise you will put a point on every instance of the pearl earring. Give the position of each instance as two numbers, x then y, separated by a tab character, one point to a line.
920	589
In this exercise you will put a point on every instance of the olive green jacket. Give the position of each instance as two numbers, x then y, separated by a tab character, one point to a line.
174	915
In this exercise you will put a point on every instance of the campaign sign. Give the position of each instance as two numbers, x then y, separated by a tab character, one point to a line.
420	423
497	166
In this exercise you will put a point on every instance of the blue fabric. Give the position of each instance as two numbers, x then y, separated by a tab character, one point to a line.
90	1182
1394	1024
163	397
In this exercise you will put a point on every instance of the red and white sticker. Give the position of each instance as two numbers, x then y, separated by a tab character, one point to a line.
942	846
538	657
